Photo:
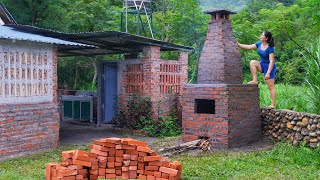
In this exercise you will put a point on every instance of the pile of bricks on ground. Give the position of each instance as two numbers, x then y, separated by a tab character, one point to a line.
114	158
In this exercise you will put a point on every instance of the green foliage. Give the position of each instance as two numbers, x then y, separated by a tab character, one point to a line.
137	115
312	79
288	97
169	127
293	24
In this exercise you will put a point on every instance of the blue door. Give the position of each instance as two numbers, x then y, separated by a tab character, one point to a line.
111	87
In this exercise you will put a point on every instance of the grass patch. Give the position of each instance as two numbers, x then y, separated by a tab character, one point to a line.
282	162
288	97
32	167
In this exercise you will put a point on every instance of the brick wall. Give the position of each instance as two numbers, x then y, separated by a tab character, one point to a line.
236	121
161	80
220	57
29	128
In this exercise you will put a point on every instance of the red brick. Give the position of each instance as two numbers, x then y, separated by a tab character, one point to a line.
119	153
159	178
119	146
110	159
100	153
82	156
134	157
78	177
69	178
157	174
132	151
118	164
102	159
118	172
63	173
142	177
126	157
119	159
140	171
110	176
132	174
94	167
129	147
133	163
141	159
94	172
152	168
67	154
148	173
112	152
93	177
125	168
141	166
112	140
110	171
172	166
110	164
102	172
75	167
169	171
133	168
100	148
82	163
155	163
164	175
151	177
151	158
142	154
101	177
49	168
144	149
126	163
125	175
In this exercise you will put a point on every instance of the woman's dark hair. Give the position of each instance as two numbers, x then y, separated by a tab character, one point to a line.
270	39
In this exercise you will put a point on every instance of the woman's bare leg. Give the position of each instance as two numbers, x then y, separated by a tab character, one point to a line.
272	90
254	67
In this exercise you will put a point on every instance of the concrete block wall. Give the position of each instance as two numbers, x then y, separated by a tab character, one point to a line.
29	128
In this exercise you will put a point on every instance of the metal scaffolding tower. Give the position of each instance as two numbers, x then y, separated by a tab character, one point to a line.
135	9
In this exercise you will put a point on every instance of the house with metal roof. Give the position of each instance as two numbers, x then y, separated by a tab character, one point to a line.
29	104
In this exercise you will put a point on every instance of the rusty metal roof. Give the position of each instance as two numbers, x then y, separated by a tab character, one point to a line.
107	42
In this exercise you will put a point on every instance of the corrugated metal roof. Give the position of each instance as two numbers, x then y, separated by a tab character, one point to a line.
13	34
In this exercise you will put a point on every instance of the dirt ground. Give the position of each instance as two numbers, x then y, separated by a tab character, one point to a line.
76	133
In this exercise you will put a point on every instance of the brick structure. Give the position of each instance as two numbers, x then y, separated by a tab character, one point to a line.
160	80
220	107
29	127
114	158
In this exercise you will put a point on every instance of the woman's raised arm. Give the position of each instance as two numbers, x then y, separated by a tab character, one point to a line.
247	47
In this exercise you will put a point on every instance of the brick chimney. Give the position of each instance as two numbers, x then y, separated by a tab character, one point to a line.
220	60
219	106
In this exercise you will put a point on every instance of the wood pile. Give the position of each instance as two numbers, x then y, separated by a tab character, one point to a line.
292	126
114	158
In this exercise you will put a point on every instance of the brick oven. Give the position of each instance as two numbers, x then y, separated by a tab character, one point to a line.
219	106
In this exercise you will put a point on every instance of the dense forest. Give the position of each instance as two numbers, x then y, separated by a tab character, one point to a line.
295	25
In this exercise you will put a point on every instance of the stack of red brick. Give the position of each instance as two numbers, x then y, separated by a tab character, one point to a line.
114	158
